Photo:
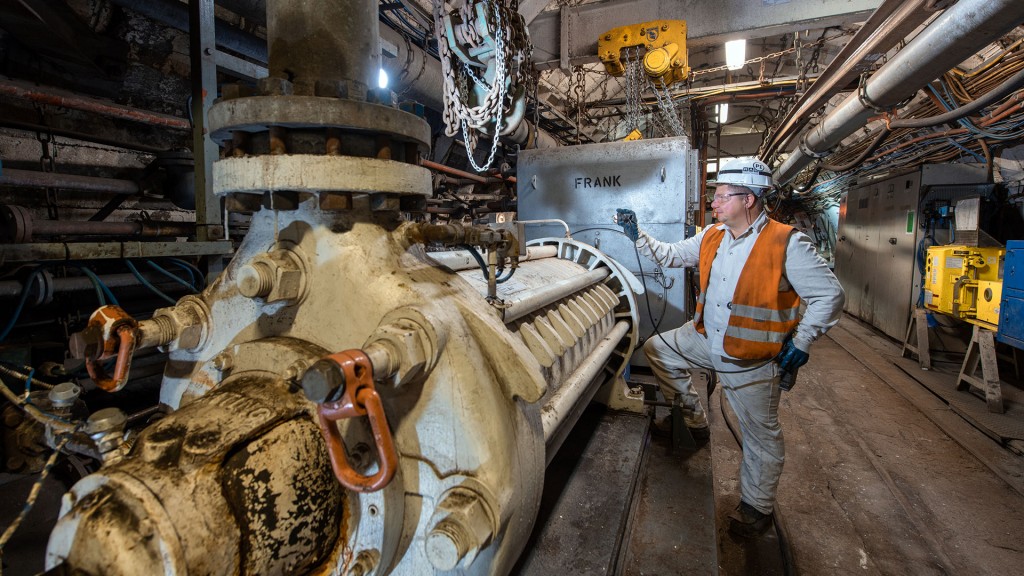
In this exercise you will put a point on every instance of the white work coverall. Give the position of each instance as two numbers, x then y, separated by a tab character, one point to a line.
753	394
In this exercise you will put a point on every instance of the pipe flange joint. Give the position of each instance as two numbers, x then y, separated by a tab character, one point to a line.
808	152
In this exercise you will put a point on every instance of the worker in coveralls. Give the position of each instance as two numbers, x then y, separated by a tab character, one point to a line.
754	275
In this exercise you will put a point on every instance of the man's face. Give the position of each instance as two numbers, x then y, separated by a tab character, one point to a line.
730	204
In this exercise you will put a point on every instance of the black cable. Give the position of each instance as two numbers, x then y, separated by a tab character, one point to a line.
997	93
657	324
479	259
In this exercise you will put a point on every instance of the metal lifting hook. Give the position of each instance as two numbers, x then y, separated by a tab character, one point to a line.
358	398
110	333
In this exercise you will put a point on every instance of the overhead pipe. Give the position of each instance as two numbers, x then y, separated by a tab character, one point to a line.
953	37
36	179
56	97
887	25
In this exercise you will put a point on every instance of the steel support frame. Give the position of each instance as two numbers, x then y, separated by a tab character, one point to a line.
202	52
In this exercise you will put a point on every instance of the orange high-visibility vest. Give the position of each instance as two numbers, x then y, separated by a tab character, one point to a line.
764	309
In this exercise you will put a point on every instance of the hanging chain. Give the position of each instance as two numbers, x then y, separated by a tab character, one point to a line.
666	106
773	55
632	75
48	163
512	53
579	91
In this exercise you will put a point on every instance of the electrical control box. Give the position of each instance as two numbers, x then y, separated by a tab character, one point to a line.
952	276
1011	306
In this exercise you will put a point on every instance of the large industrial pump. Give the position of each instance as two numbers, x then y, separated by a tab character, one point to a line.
342	401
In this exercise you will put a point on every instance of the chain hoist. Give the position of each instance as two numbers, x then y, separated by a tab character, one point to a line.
485	91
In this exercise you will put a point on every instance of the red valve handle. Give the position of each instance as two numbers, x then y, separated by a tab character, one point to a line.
359	398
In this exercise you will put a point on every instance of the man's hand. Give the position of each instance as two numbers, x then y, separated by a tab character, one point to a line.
627	219
791	358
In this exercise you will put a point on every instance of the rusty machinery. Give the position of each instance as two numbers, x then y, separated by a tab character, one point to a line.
341	401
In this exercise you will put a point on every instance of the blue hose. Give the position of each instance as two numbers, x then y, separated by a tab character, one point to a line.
149	285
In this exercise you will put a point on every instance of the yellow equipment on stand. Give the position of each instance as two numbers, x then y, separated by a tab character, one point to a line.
965	282
665	44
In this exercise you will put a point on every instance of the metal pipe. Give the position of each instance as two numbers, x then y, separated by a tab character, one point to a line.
315	42
35	179
11	288
88	228
954	36
892	21
462	260
540	297
55	97
550	221
565	406
456	172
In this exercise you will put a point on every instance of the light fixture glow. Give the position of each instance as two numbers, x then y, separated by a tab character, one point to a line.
723	113
382	79
735	54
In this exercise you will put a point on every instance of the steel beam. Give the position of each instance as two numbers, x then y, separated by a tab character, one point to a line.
706	22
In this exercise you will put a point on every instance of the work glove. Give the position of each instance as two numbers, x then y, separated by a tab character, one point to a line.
792	358
627	219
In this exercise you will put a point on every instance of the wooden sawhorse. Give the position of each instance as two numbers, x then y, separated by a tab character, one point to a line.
982	349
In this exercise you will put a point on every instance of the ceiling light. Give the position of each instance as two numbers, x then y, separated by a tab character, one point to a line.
382	79
723	113
735	54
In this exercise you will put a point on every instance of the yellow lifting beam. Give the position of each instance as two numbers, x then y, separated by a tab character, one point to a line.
664	42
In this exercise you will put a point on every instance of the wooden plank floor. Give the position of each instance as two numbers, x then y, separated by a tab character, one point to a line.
874	483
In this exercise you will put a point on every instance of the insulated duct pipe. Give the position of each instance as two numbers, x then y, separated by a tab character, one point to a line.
953	37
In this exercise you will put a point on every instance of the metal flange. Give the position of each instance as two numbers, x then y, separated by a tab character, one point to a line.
259	113
315	173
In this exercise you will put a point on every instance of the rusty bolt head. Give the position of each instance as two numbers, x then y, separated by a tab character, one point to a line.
190	337
223	361
85	344
271	86
324	381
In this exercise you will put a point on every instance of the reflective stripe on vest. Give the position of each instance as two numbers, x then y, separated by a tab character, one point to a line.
761	316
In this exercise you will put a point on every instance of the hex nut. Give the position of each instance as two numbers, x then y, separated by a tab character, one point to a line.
408	340
462	526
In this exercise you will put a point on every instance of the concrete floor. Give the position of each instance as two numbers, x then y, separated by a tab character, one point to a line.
874	482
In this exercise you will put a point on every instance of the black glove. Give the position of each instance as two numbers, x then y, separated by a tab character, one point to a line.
792	358
627	219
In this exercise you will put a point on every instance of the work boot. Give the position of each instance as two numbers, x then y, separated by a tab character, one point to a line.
748	522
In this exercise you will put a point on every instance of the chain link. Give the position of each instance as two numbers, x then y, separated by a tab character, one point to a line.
773	55
48	163
579	91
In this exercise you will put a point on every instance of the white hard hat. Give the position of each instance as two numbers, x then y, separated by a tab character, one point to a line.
749	172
